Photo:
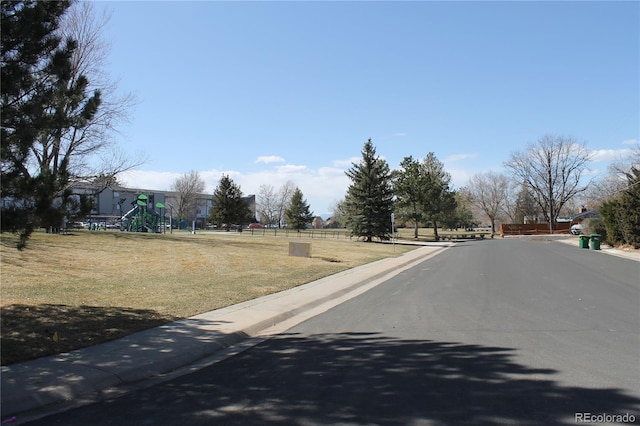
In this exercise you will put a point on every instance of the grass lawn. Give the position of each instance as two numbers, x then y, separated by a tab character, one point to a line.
65	292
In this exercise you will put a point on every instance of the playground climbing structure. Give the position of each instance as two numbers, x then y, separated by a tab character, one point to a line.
142	218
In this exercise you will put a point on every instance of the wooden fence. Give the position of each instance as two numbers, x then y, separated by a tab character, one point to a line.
533	228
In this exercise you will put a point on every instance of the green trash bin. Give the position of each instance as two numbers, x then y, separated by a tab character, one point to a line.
584	241
595	241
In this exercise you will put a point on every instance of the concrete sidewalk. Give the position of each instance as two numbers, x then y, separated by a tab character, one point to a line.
44	383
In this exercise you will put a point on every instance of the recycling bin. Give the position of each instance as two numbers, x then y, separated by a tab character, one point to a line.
595	241
584	241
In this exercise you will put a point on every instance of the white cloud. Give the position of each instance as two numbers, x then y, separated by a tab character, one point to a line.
147	179
290	168
458	157
459	177
321	187
162	181
607	155
269	159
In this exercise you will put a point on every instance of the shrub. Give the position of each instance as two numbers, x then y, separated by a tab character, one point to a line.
621	214
596	226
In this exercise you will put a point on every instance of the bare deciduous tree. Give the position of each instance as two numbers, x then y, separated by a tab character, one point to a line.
92	146
187	188
489	192
267	204
510	207
284	199
552	169
338	213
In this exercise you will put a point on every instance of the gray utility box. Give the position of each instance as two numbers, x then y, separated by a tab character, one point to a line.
300	249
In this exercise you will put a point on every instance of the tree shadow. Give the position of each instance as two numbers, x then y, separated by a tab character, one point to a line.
34	331
358	379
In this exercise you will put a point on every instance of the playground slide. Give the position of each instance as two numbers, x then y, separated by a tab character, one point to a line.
130	213
140	220
125	221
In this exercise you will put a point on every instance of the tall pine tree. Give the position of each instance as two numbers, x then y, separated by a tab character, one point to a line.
229	207
42	101
369	201
439	200
423	192
298	214
410	184
630	202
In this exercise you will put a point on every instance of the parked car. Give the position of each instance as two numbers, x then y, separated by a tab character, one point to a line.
576	229
256	226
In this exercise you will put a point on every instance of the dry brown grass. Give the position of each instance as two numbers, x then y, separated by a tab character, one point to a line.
89	287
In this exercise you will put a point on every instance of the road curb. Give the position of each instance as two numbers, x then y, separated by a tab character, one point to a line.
631	255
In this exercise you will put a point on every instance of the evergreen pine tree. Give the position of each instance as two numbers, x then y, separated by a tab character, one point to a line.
410	188
611	213
630	209
42	100
298	214
526	207
621	214
423	193
229	207
439	200
369	201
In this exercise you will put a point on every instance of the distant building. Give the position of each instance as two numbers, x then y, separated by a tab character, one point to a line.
586	214
114	202
204	203
317	223
332	223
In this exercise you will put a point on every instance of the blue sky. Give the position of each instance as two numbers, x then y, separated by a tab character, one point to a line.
274	91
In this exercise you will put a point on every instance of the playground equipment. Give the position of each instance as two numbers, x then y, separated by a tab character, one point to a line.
141	218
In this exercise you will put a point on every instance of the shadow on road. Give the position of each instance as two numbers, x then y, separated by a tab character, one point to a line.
363	378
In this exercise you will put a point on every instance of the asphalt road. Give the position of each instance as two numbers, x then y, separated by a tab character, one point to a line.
507	331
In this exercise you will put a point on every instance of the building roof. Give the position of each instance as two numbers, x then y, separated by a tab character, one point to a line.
590	214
